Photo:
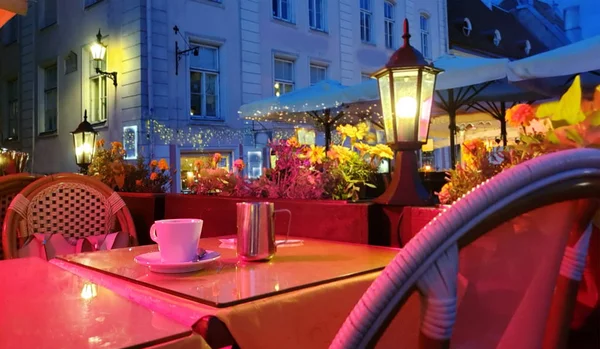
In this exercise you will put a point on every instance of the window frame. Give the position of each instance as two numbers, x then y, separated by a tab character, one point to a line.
426	48
278	14
312	17
366	12
45	91
285	82
13	110
90	3
317	65
10	31
42	20
389	24
102	85
203	73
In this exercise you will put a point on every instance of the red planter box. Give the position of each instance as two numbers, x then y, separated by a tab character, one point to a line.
321	219
145	208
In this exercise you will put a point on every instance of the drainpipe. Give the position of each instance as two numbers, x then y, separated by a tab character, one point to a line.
149	72
34	108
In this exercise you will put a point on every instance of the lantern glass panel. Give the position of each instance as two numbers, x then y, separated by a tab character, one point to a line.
386	107
84	147
98	51
427	90
406	109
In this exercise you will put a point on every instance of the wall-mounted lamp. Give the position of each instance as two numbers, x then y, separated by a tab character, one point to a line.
98	50
194	49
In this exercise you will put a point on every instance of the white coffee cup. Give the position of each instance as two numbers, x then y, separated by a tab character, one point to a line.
177	239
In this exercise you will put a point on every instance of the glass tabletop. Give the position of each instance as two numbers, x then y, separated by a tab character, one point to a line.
227	281
45	306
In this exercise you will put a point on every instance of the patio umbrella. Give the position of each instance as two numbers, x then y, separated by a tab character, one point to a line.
552	72
320	105
9	8
579	57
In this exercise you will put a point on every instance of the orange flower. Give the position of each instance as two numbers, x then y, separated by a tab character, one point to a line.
117	145
239	164
100	143
138	182
163	165
217	157
153	163
520	115
293	142
153	176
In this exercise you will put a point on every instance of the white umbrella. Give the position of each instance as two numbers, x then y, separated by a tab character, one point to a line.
323	95
579	57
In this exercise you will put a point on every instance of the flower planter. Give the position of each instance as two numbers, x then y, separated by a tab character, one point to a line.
145	208
321	219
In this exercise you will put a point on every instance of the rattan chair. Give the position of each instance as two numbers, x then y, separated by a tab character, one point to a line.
70	204
429	263
10	186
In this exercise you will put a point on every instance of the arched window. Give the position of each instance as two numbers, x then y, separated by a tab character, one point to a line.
497	37
527	47
467	27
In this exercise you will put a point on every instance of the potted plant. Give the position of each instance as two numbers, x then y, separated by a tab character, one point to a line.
141	184
315	186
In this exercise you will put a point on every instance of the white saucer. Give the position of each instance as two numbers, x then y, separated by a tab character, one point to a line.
232	242
152	261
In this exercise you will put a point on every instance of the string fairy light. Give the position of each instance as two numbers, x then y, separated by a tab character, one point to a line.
197	137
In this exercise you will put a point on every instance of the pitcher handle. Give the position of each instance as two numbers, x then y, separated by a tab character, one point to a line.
287	236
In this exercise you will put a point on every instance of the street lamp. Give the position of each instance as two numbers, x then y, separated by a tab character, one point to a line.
98	50
84	142
406	87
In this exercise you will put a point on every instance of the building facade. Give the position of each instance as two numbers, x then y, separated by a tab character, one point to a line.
184	106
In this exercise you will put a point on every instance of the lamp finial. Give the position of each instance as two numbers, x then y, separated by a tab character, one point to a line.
85	115
406	35
99	36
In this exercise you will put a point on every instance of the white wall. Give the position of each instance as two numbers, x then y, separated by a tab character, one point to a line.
248	38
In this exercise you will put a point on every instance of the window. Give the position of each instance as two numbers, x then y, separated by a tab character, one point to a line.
317	14
425	40
283	76
89	3
49	116
12	97
365	20
389	21
10	31
97	92
282	9
317	73
204	83
48	13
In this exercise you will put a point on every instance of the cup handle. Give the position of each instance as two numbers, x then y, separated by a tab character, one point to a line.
287	236
153	235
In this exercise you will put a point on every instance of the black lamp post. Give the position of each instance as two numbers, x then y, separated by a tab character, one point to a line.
406	88
84	142
98	50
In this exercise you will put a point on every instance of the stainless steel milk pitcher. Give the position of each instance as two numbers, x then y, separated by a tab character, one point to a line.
256	230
